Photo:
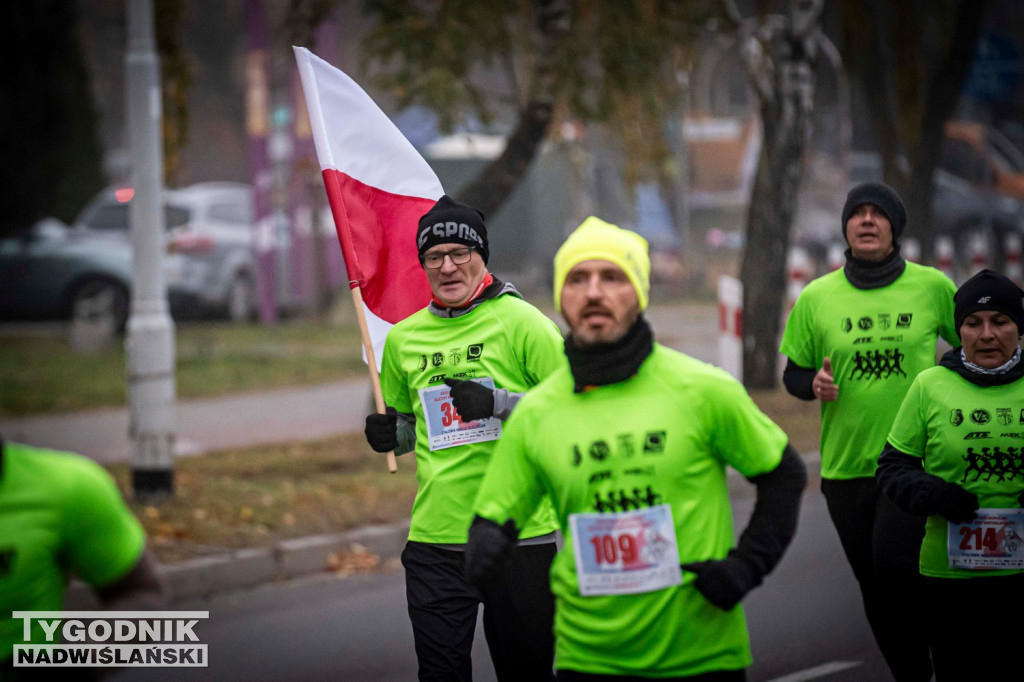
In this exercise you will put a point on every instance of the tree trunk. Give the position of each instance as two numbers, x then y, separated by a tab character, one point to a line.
876	83
785	88
940	103
763	270
488	191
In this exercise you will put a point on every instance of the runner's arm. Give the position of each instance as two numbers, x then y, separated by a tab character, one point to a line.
903	480
141	589
406	433
798	380
772	524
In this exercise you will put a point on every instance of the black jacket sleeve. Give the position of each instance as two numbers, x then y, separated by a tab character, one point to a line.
799	381
773	522
903	480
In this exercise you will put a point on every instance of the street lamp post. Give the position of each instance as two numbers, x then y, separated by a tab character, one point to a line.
150	331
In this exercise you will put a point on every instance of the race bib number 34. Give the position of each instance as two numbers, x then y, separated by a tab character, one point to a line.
445	427
625	552
994	539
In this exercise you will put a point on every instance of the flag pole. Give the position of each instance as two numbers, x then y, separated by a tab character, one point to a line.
371	364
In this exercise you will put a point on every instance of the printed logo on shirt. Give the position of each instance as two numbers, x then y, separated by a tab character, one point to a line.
437	359
1021	421
981	417
599	476
455	355
1004	465
862	339
876	364
865	323
626	444
897	338
885	320
474	352
1004	416
847	324
975	435
599	450
1011	434
654	442
423	363
465	376
956	417
903	320
625	447
623	500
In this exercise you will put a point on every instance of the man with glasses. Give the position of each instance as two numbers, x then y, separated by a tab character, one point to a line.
451	374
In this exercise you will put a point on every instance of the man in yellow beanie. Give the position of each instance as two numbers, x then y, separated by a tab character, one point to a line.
631	439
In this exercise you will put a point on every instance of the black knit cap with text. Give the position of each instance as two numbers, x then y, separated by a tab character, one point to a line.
989	290
450	222
882	196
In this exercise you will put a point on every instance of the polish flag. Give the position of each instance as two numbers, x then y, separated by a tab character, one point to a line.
378	186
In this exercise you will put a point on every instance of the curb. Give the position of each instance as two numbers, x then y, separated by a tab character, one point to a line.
205	577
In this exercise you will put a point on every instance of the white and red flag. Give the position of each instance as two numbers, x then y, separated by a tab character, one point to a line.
378	186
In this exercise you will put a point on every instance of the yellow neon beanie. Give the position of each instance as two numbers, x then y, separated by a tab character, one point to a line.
595	239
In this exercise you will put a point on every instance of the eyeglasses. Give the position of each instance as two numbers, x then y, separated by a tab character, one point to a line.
435	259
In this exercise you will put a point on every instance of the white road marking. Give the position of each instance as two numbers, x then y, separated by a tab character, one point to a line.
818	671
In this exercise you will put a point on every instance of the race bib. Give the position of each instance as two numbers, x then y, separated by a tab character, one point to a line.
445	428
625	552
994	539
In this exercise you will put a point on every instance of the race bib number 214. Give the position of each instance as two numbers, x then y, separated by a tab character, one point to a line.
994	539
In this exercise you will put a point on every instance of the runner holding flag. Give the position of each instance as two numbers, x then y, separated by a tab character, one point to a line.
452	369
377	187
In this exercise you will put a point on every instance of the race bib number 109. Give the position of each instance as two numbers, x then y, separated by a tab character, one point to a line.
625	552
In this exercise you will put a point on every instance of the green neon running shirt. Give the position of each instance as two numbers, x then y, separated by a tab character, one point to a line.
878	340
505	339
966	434
664	436
60	513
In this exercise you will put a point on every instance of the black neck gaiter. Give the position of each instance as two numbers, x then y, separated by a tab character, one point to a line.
866	274
609	363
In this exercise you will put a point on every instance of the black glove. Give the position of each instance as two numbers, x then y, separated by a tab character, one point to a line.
954	503
471	400
487	547
723	582
382	430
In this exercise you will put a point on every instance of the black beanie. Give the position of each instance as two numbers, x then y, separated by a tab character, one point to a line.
449	222
882	196
989	290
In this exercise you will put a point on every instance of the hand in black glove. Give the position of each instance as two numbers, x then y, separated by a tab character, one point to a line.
382	430
954	503
723	582
471	400
487	547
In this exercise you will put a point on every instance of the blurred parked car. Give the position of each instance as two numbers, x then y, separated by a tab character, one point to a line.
967	207
209	228
984	157
49	273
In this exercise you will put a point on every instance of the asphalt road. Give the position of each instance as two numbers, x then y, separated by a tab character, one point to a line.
806	623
